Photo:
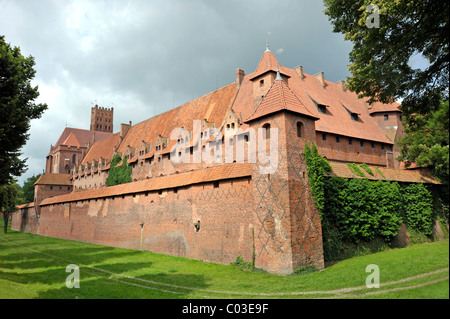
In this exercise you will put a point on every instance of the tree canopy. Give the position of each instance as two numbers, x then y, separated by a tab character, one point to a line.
17	108
386	34
426	141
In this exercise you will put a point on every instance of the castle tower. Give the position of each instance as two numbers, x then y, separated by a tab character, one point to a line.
288	231
102	119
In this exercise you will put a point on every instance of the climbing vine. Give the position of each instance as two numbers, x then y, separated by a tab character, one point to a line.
118	174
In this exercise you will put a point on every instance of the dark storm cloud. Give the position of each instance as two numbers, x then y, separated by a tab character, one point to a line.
144	57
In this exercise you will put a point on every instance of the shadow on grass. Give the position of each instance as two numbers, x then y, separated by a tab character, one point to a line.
100	271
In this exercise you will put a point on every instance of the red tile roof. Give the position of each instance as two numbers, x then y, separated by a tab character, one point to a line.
310	92
222	172
103	148
280	97
54	179
390	174
268	63
212	107
381	107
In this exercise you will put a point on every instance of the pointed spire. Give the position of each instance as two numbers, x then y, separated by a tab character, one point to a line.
278	78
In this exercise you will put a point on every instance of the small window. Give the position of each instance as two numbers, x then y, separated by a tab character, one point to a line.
216	184
266	127
373	144
382	146
361	143
350	141
322	108
246	137
338	139
386	117
261	83
299	129
324	137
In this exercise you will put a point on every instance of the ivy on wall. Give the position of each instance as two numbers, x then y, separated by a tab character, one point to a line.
118	174
360	211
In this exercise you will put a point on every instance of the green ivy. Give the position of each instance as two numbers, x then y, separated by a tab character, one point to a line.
417	201
366	168
118	174
355	169
317	169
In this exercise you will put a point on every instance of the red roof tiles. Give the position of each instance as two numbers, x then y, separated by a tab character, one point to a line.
54	179
390	174
279	97
222	172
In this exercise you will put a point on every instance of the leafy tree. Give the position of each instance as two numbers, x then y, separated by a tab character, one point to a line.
17	108
11	195
426	141
382	51
118	174
28	188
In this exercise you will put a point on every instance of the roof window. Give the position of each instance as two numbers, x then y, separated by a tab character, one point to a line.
322	108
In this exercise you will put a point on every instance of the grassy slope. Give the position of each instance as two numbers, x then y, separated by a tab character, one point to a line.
32	266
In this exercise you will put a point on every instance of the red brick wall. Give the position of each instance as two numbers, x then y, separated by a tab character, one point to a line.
225	214
287	226
372	153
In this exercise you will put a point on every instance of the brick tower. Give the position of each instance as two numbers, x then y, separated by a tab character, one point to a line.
102	119
288	232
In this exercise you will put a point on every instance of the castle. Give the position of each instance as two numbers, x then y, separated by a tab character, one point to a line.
220	176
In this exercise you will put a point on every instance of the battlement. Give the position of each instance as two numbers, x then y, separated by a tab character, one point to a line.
102	119
103	109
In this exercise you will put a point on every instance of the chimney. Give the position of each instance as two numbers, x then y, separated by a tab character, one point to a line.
240	74
299	70
320	76
123	131
341	83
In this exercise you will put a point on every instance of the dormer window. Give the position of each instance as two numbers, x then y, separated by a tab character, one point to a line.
354	116
322	108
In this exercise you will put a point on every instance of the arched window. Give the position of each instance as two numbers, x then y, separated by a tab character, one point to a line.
266	127
299	129
74	159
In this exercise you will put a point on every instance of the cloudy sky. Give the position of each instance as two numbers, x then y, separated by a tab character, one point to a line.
146	57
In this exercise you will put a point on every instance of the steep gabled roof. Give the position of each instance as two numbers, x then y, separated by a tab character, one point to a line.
267	63
71	140
103	148
278	98
212	107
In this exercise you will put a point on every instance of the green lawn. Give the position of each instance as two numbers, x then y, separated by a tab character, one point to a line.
33	266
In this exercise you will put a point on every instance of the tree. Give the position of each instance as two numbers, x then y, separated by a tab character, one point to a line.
386	34
28	188
426	141
11	195
17	108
